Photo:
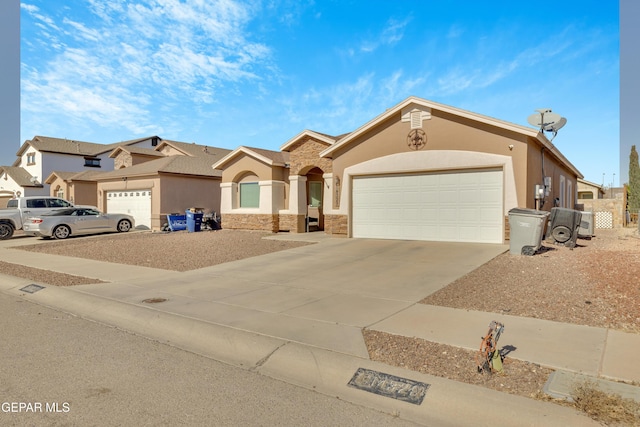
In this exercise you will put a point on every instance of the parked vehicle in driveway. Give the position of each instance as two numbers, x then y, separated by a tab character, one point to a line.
76	221
19	209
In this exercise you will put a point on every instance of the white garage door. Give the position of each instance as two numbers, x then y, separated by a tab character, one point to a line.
461	206
135	203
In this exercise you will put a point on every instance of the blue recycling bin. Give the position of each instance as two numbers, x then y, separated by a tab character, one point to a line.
194	221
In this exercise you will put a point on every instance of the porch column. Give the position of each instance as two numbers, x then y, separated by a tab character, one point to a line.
271	196
298	194
228	192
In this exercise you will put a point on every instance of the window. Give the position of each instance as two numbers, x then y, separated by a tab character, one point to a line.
58	203
585	195
36	203
31	159
92	162
60	193
315	194
570	195
249	195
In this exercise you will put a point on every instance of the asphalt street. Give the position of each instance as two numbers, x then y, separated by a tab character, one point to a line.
58	369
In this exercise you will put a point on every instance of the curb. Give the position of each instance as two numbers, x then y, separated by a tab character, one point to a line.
447	402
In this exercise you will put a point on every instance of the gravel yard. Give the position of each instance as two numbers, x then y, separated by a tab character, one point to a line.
178	251
595	284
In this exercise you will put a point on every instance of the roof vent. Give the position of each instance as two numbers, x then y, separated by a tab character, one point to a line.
415	115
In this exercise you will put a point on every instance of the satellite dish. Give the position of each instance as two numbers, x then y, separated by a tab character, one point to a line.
544	120
555	127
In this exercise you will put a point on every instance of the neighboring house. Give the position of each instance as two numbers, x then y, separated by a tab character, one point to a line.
40	156
149	183
77	187
588	190
419	171
16	182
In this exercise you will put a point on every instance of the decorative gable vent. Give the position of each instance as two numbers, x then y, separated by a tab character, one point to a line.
415	115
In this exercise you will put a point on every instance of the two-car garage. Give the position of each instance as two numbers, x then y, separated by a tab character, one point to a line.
453	206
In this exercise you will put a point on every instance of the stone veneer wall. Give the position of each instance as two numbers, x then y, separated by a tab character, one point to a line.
336	224
263	222
307	153
292	223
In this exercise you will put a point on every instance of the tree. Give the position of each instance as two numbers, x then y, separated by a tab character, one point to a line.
633	200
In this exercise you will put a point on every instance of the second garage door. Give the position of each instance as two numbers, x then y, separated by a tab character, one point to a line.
461	206
135	203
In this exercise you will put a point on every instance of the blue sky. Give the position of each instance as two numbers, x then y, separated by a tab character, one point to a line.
256	73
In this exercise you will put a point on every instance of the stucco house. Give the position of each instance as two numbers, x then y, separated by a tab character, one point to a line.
419	171
40	156
148	183
588	190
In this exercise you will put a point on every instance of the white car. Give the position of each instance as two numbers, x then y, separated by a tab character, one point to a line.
75	221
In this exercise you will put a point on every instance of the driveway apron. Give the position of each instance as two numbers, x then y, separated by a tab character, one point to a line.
320	295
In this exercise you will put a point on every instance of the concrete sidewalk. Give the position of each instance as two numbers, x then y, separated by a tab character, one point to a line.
307	329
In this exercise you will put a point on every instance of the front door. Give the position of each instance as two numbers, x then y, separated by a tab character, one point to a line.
314	206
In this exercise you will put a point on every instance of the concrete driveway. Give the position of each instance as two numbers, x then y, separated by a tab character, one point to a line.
320	295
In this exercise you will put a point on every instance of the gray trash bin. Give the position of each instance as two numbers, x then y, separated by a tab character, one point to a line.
526	230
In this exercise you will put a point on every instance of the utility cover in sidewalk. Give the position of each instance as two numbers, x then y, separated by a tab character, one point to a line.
389	386
32	288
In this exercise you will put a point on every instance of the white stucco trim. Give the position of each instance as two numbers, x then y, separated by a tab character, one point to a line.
306	133
297	195
430	161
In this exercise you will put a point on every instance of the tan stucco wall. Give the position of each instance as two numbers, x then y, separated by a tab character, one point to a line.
242	164
76	192
59	184
552	168
445	134
179	193
84	193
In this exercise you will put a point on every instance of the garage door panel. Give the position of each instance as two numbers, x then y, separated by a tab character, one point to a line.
135	203
456	206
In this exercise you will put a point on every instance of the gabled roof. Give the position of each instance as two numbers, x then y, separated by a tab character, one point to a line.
60	145
151	152
591	184
20	176
271	158
195	150
182	165
87	175
419	102
71	147
305	134
65	176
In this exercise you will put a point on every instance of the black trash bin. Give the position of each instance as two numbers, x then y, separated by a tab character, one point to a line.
194	220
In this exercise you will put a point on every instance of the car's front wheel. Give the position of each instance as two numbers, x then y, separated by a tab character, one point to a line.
61	232
124	226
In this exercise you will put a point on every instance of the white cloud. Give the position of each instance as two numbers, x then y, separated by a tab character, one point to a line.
185	50
391	34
